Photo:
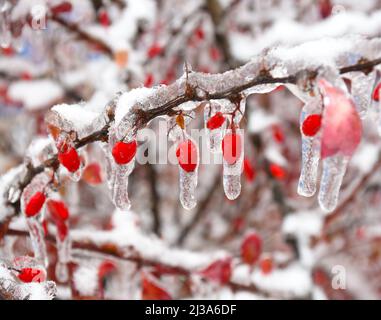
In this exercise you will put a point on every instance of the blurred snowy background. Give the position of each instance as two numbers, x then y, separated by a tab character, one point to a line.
268	243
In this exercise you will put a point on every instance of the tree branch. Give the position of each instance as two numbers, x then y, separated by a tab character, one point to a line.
235	82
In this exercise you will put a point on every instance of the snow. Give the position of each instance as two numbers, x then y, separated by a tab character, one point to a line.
35	94
292	33
274	155
293	280
6	181
86	280
303	223
365	157
76	114
29	291
260	120
126	234
128	99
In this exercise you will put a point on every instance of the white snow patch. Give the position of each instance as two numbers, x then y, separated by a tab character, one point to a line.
86	280
365	157
260	121
35	94
293	280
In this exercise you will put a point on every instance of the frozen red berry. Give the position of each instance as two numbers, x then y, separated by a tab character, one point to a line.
92	174
277	133
63	7
251	248
311	125
277	171
28	275
70	159
218	271
231	147
187	155
216	121
62	230
148	82
35	204
124	152
248	170
58	210
103	18
376	92
152	291
266	265
154	50
325	8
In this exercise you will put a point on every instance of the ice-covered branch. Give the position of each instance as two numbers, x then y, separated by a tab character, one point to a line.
133	110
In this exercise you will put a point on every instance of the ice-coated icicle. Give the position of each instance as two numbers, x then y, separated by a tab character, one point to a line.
188	184
77	175
214	131
361	91
5	29
36	233
310	152
232	170
332	177
38	184
63	253
119	190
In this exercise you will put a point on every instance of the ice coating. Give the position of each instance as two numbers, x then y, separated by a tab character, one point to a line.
214	137
310	152
332	177
232	172
188	184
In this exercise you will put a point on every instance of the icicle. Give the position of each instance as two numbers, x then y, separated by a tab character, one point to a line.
119	190
36	233
214	125
5	30
361	91
117	175
187	155
232	163
310	151
37	185
333	172
188	184
63	252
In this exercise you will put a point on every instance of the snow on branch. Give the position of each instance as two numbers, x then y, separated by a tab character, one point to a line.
133	110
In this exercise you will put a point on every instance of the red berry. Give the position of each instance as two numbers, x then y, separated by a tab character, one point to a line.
231	147
376	93
219	271
154	51
92	174
62	230
199	33
266	265
103	18
311	125
325	7
70	159
277	171
248	170
187	155
149	80
28	275
124	152
58	210
214	54
35	204
216	121
251	248
277	133
62	8
152	291
106	268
